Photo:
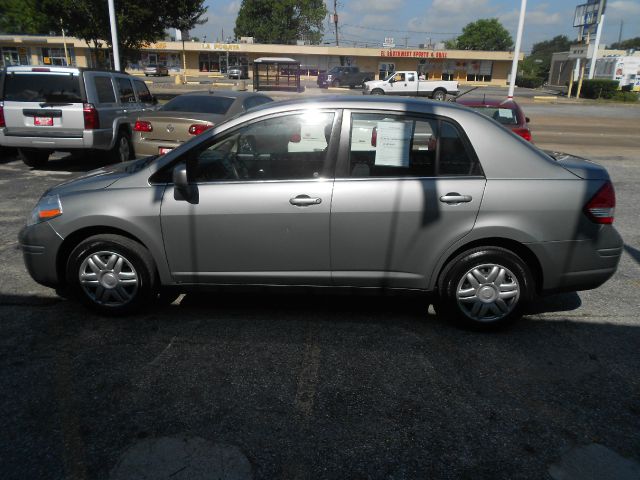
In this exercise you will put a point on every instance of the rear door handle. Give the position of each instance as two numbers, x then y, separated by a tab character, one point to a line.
455	198
304	201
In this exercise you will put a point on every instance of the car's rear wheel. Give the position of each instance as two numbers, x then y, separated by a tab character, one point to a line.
439	95
377	91
122	149
112	274
33	157
484	288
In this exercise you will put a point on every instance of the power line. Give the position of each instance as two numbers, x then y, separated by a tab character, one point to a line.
385	29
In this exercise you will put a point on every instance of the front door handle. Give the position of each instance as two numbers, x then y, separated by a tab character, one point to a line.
304	201
454	198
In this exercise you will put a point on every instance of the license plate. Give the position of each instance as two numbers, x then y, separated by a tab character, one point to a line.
163	150
43	121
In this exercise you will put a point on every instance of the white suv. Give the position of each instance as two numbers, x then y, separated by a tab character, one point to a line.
43	109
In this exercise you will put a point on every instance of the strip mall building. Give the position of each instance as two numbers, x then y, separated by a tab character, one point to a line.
465	66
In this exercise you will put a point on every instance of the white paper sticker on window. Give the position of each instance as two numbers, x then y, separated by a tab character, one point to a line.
392	144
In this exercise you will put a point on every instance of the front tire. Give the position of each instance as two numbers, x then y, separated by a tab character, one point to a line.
112	274
485	288
33	157
335	83
377	91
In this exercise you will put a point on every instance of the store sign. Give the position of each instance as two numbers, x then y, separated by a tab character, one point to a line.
412	54
580	51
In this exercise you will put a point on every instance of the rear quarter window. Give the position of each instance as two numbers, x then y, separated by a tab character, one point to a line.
104	90
42	87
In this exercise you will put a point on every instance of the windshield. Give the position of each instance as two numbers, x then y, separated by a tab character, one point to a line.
505	116
198	104
334	70
38	87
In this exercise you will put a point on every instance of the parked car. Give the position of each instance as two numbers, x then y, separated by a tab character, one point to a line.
420	196
341	76
43	109
408	83
505	111
156	70
237	73
188	115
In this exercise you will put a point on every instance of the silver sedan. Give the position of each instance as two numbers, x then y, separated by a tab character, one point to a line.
339	192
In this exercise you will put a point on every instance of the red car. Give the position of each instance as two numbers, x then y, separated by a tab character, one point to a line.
506	112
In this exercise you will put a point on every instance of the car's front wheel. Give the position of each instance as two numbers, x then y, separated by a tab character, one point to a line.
377	91
439	95
112	274
485	288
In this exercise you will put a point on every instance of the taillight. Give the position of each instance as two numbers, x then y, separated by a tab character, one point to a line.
40	69
601	207
142	126
523	132
198	128
2	122
91	119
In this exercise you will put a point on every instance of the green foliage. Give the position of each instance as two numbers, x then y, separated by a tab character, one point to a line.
626	97
529	82
281	21
538	63
626	44
606	89
484	34
25	17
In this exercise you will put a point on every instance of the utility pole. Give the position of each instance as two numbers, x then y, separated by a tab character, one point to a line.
114	36
335	20
620	32
516	53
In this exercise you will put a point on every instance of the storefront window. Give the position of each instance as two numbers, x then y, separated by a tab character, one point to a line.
15	56
479	71
56	56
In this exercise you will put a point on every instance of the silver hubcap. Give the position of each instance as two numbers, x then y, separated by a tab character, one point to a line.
123	149
488	292
108	278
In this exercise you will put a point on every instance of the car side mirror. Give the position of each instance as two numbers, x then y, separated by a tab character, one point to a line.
154	99
392	80
526	119
182	189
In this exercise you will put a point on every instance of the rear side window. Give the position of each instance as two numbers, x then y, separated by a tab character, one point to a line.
143	92
42	87
104	90
126	91
387	145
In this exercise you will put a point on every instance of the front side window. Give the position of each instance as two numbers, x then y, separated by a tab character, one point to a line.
290	147
126	91
385	145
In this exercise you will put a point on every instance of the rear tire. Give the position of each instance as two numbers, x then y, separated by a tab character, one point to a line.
112	274
439	94
484	288
33	157
122	150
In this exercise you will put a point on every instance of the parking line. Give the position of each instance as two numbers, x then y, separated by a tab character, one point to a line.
308	377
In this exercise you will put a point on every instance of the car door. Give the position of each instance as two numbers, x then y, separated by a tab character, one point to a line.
261	209
407	187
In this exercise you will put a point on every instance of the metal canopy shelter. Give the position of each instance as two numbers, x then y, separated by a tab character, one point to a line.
276	73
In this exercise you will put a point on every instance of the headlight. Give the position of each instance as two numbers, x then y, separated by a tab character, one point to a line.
48	207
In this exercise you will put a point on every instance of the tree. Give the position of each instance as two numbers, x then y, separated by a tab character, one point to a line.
184	15
538	63
138	24
627	44
281	21
25	17
484	34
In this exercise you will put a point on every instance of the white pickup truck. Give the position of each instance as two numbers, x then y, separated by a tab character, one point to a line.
407	83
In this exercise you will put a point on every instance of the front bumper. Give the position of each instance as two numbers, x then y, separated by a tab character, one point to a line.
40	245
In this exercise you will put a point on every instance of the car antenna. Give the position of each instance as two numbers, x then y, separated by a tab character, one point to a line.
484	97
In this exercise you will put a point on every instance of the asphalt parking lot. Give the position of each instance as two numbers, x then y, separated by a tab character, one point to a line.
308	385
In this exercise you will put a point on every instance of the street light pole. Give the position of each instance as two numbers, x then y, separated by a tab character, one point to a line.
114	36
516	54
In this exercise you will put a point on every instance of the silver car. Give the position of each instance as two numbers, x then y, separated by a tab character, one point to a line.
394	194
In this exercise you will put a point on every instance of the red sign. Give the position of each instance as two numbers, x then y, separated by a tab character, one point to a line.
412	54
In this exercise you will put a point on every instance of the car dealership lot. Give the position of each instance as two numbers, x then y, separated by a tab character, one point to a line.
324	386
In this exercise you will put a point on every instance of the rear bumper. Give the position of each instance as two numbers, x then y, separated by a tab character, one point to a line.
40	244
146	148
579	265
90	139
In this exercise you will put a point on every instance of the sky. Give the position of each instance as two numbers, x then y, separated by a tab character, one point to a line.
412	22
